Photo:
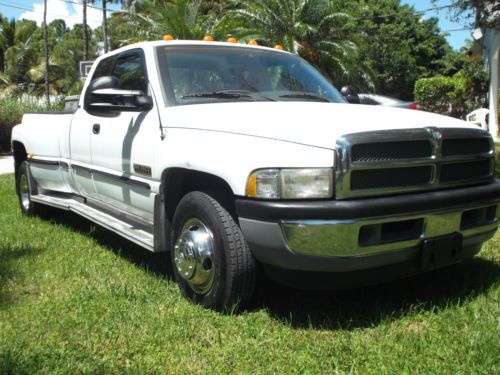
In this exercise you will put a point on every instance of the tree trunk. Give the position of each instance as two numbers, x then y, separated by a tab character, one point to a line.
46	48
105	26
85	33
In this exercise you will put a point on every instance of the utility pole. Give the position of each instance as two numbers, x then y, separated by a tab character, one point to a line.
105	26
85	33
46	47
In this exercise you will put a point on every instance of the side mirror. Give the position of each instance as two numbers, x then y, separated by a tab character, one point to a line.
103	96
350	94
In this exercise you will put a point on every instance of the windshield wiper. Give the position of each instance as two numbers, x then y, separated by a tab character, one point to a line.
217	94
305	95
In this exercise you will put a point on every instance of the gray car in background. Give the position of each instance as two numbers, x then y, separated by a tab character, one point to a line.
386	101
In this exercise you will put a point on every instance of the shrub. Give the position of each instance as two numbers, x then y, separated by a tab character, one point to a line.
444	95
11	114
454	96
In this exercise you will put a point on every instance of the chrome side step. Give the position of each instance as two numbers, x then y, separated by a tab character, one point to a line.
124	229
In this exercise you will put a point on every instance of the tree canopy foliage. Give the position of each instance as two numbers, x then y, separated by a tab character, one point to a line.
380	45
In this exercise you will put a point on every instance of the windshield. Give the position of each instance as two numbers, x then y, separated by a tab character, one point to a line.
224	74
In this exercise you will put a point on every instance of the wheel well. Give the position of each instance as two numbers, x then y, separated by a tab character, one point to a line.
20	155
177	182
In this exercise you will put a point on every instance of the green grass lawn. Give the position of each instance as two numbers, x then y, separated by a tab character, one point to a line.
75	298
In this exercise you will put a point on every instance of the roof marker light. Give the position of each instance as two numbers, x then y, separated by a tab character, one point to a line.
168	38
253	43
232	40
279	46
208	38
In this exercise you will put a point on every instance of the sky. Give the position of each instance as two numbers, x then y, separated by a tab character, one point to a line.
456	38
71	12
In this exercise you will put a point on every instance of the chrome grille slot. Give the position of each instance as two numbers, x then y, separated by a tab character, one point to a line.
472	170
478	217
394	231
389	151
408	160
470	146
390	177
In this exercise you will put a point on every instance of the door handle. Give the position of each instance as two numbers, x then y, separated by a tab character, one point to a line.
96	128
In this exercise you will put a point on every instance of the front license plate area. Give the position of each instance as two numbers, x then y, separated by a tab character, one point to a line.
441	251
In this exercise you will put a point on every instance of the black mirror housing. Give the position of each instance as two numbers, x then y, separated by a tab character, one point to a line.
103	95
107	82
144	101
350	94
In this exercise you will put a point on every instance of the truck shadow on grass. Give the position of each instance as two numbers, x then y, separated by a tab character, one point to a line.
9	270
155	263
346	309
369	306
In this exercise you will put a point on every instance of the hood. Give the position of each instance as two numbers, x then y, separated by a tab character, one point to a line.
309	123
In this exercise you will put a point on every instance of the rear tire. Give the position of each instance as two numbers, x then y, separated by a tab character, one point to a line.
25	188
210	258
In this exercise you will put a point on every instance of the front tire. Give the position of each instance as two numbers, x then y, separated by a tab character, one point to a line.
211	260
25	188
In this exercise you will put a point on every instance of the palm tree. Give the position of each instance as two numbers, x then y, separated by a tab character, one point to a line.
184	19
125	3
313	29
46	50
86	29
19	54
36	78
7	38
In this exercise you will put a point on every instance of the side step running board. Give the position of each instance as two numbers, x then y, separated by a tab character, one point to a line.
127	230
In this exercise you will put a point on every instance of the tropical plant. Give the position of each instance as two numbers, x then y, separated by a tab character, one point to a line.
317	30
19	55
7	38
152	19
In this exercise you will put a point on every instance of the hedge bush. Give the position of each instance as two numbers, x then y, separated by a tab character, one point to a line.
444	95
457	95
11	114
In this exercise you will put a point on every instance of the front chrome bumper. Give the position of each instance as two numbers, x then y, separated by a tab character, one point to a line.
354	238
361	234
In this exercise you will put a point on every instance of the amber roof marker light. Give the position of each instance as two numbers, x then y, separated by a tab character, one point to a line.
253	43
232	40
208	38
279	47
168	38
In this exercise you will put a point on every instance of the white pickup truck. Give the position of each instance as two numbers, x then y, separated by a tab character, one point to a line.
236	159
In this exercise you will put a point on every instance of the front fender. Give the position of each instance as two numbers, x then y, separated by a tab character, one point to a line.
232	157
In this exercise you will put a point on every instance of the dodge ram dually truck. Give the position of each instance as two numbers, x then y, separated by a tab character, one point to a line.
236	159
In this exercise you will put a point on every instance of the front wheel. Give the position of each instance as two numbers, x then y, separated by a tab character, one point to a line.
211	260
25	188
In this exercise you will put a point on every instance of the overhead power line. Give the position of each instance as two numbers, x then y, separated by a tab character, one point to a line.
88	5
15	6
423	11
453	30
415	12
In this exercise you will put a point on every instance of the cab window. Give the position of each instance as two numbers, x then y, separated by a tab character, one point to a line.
129	69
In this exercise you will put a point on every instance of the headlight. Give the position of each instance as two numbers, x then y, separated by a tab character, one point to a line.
311	183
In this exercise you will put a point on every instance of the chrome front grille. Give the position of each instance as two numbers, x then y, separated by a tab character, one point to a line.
398	161
390	151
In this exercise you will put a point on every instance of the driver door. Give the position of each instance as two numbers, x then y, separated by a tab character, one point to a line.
123	144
